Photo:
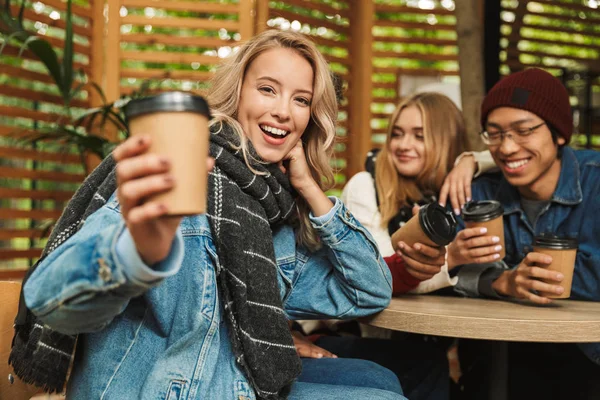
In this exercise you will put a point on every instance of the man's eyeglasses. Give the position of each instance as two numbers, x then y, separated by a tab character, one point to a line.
494	137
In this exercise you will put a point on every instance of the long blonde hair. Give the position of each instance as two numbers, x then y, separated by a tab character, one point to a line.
444	138
319	136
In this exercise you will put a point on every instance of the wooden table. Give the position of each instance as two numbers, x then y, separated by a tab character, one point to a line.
561	321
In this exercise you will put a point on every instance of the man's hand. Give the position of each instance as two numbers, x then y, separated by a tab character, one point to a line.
306	348
523	280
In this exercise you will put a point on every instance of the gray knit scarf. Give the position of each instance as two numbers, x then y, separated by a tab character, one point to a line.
243	209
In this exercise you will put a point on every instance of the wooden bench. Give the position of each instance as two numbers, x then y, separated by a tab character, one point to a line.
11	387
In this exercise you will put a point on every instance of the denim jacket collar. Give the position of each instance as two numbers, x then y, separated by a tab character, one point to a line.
568	191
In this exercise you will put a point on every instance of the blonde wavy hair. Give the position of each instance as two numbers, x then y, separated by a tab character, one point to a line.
444	137
319	136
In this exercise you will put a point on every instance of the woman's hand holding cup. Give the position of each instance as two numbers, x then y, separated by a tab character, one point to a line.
141	175
522	281
422	261
473	246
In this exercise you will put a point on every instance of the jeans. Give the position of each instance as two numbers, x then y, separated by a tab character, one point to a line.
345	378
421	366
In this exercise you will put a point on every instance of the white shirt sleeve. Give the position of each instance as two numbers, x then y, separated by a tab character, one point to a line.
484	160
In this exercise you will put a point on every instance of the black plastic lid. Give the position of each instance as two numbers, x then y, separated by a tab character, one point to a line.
551	241
481	211
169	101
438	223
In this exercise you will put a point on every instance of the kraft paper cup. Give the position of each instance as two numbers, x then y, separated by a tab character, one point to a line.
486	214
433	225
178	125
563	252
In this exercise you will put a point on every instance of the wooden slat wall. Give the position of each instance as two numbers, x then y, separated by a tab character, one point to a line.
554	36
574	41
327	24
153	41
36	181
395	53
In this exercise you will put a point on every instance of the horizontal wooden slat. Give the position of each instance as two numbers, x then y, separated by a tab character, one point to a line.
417	25
15	133
415	40
332	59
514	52
566	6
384	99
191	6
168	57
28	114
77	47
12	152
416	56
414	71
7	254
8	213
569	44
13	51
343	44
58	23
411	10
23	173
128	90
28	94
385	85
380	115
21	73
324	8
172	40
517	65
189	23
315	22
10	274
557	29
164	74
588	20
57	195
7	234
77	10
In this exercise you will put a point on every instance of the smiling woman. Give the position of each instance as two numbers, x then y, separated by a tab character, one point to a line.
204	294
274	107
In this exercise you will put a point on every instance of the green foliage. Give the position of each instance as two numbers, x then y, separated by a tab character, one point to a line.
69	130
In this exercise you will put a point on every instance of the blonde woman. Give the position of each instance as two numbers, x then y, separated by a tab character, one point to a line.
193	308
426	133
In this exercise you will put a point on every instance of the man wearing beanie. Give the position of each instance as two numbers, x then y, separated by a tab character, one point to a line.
545	187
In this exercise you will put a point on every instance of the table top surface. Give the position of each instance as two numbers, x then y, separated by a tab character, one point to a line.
561	321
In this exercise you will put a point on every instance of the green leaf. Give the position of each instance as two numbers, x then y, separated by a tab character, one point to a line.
67	61
46	54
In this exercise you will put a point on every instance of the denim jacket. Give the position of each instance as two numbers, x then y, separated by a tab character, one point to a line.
573	210
159	333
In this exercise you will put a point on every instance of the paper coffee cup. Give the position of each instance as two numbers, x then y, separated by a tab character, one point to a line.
563	252
177	122
433	225
486	214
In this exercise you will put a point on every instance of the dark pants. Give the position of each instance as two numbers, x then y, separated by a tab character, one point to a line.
535	371
421	366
